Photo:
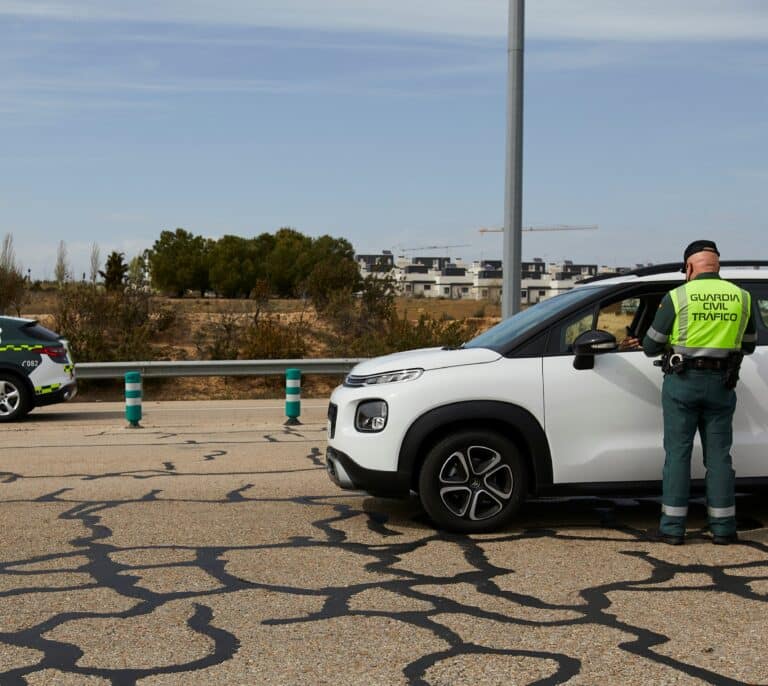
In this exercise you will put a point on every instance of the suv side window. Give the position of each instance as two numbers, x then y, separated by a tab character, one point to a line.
759	293
617	318
628	315
762	306
571	331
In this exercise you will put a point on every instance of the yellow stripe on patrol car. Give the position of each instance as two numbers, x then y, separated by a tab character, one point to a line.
43	390
20	348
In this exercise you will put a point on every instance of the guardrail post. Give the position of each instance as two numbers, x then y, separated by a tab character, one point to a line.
133	399
292	396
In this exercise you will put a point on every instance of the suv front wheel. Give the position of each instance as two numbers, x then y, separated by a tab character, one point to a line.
473	481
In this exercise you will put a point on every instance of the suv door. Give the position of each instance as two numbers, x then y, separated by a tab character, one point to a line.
750	424
604	424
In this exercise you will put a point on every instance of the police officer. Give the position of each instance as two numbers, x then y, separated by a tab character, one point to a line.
705	326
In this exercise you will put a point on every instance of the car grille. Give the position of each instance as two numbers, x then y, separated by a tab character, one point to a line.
332	412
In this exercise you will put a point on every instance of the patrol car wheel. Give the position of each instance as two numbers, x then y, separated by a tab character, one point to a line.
473	481
14	398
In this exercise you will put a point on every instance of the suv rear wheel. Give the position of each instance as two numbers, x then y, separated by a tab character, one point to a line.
473	481
15	401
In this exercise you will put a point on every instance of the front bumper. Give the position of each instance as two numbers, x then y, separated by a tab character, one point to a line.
349	475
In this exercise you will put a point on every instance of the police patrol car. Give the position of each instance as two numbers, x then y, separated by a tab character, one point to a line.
36	368
547	402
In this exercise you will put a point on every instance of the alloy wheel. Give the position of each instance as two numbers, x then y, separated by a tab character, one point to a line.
10	398
475	484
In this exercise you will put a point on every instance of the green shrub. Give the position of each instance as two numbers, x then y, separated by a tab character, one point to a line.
221	337
164	317
105	326
359	336
268	337
251	336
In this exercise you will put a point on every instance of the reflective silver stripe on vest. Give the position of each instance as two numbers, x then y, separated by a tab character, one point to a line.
721	512
703	352
656	336
749	338
682	314
671	511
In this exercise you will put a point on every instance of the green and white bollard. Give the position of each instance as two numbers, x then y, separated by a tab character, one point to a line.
133	399
292	396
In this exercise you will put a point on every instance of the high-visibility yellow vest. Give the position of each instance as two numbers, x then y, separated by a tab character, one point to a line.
711	316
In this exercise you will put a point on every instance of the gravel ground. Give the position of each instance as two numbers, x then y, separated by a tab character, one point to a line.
210	548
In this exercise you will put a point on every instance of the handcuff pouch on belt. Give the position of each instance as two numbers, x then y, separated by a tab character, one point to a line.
671	363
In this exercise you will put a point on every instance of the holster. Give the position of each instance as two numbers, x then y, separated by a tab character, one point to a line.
731	376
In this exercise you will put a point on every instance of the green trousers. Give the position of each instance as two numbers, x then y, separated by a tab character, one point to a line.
698	401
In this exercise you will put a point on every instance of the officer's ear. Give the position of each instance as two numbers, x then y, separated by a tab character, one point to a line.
688	270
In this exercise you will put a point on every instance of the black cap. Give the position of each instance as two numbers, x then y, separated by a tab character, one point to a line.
699	246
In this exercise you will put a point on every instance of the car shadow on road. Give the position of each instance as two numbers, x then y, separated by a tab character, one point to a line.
632	514
43	417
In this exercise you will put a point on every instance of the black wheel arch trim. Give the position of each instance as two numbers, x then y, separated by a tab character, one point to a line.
514	421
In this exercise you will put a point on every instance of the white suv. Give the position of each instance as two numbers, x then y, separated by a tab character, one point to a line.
544	403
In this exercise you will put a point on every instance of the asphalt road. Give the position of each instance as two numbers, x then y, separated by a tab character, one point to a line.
210	548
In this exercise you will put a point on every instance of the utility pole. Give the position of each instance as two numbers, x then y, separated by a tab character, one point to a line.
513	201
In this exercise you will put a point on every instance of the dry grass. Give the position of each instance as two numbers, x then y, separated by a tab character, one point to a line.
197	315
440	308
42	303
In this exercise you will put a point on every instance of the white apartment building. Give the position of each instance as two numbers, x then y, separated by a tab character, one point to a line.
438	277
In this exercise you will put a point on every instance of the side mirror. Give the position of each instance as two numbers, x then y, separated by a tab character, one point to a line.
591	343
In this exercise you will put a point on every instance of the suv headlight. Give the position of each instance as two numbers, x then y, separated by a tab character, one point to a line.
385	377
371	416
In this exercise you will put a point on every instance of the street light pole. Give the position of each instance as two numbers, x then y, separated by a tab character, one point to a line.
513	200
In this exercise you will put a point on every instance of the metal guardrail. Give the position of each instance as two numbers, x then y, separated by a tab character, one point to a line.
114	370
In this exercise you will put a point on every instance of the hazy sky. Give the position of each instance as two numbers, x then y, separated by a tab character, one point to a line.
382	121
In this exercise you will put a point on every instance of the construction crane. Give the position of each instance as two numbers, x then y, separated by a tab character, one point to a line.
554	227
435	247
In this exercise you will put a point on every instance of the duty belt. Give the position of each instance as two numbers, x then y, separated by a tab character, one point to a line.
716	363
675	363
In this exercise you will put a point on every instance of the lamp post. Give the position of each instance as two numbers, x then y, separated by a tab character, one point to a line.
513	197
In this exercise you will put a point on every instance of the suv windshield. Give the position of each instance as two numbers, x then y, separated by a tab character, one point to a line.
506	331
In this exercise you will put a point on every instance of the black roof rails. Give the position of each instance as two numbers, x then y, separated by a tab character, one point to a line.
756	264
672	267
641	271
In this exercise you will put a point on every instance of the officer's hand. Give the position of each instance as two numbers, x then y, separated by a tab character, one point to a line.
629	343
